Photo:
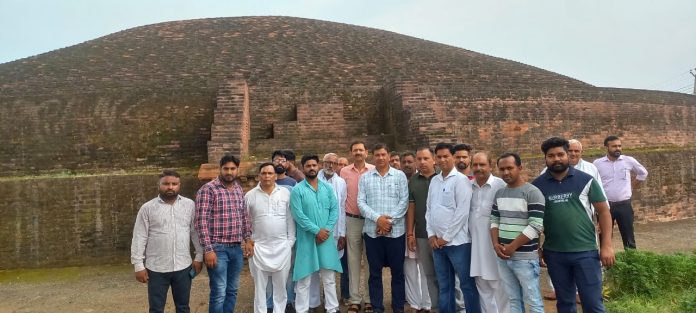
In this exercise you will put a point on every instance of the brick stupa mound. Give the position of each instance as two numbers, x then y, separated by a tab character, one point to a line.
182	93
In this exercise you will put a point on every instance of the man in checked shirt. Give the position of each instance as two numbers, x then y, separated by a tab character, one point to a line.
222	223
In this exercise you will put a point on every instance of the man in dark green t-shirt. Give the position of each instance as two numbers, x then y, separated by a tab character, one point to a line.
416	236
570	246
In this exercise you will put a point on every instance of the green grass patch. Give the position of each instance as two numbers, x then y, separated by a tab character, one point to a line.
41	275
647	282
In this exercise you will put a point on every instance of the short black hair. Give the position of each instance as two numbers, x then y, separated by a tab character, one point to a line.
444	145
356	142
169	172
264	164
379	146
308	157
277	153
610	138
554	142
429	149
394	153
408	153
229	158
289	155
463	146
518	160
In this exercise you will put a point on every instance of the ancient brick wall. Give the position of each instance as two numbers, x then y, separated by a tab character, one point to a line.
87	220
425	114
231	125
141	128
314	120
74	220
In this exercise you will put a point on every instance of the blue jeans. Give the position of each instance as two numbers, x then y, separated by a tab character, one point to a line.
386	252
158	286
520	279
224	278
448	261
571	269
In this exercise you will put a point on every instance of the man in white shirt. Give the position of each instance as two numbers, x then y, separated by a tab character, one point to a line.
329	175
484	267
447	218
160	250
273	234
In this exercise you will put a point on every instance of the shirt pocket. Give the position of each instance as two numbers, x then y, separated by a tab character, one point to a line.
448	198
392	191
279	208
626	175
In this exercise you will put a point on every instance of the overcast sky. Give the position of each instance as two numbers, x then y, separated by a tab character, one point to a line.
642	44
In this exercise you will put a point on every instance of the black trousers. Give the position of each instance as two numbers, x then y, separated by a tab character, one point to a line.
622	214
158	286
386	252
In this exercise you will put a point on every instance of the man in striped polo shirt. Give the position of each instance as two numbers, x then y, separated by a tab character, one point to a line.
516	222
570	247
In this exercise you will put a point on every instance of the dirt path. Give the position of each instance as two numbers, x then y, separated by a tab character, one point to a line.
112	288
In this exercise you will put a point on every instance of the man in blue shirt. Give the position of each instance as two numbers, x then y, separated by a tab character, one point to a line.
382	200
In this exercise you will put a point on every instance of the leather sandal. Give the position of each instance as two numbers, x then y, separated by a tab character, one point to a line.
354	308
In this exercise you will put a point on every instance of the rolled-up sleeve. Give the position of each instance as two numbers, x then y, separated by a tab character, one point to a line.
639	169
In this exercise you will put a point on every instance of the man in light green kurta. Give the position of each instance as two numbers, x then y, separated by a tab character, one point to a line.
315	209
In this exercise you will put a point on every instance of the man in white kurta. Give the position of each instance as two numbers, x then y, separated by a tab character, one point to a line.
329	175
484	266
273	235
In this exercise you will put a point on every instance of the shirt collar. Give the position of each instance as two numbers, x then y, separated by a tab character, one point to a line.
219	183
159	199
391	170
259	189
453	172
366	168
431	176
571	172
606	158
489	181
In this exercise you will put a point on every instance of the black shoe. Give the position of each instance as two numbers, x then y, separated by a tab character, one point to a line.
269	310
290	308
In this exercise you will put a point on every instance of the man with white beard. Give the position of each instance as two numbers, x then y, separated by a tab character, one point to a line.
328	174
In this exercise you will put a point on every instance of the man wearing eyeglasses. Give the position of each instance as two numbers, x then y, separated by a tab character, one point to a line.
280	163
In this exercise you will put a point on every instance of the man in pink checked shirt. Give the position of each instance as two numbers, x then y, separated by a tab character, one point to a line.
223	225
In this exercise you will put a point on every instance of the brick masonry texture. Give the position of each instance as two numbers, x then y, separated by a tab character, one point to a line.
179	94
87	220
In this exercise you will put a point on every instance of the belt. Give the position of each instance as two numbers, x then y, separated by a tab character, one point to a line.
228	244
620	202
354	216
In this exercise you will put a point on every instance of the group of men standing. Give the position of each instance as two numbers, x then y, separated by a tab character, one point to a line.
454	236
